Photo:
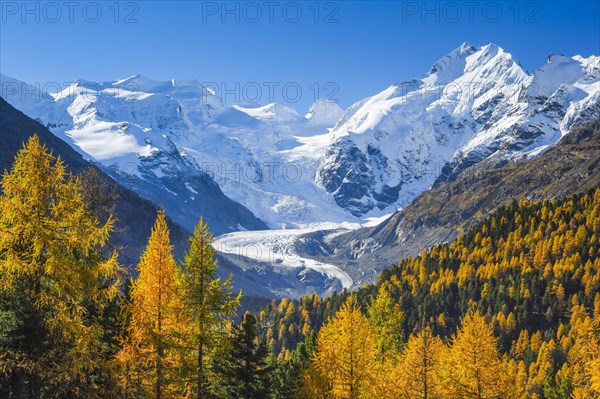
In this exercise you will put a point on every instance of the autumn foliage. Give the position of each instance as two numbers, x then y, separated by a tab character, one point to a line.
528	276
510	310
54	284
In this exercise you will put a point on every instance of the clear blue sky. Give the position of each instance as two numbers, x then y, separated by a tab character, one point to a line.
350	49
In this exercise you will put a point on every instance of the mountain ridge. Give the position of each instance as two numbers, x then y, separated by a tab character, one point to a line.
473	103
365	162
254	168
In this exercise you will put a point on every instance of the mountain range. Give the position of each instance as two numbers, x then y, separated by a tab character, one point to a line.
134	215
469	124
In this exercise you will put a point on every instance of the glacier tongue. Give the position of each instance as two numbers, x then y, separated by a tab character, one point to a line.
277	247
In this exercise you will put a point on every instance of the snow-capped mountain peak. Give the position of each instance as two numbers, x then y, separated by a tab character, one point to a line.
385	149
273	112
473	103
324	112
143	83
451	65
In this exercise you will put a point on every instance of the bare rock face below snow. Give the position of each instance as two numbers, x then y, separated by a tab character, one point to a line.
351	180
186	193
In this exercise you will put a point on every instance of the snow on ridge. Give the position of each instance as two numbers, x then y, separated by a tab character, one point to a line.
271	112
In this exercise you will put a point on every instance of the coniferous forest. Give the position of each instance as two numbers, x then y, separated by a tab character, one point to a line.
510	309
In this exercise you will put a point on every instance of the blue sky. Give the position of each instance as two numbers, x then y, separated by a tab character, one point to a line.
287	51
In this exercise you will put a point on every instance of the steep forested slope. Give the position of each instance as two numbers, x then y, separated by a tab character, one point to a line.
526	268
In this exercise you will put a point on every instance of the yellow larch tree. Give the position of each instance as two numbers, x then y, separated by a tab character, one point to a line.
209	303
54	279
385	318
472	367
584	352
517	373
313	385
417	368
593	364
152	349
346	351
594	367
540	370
